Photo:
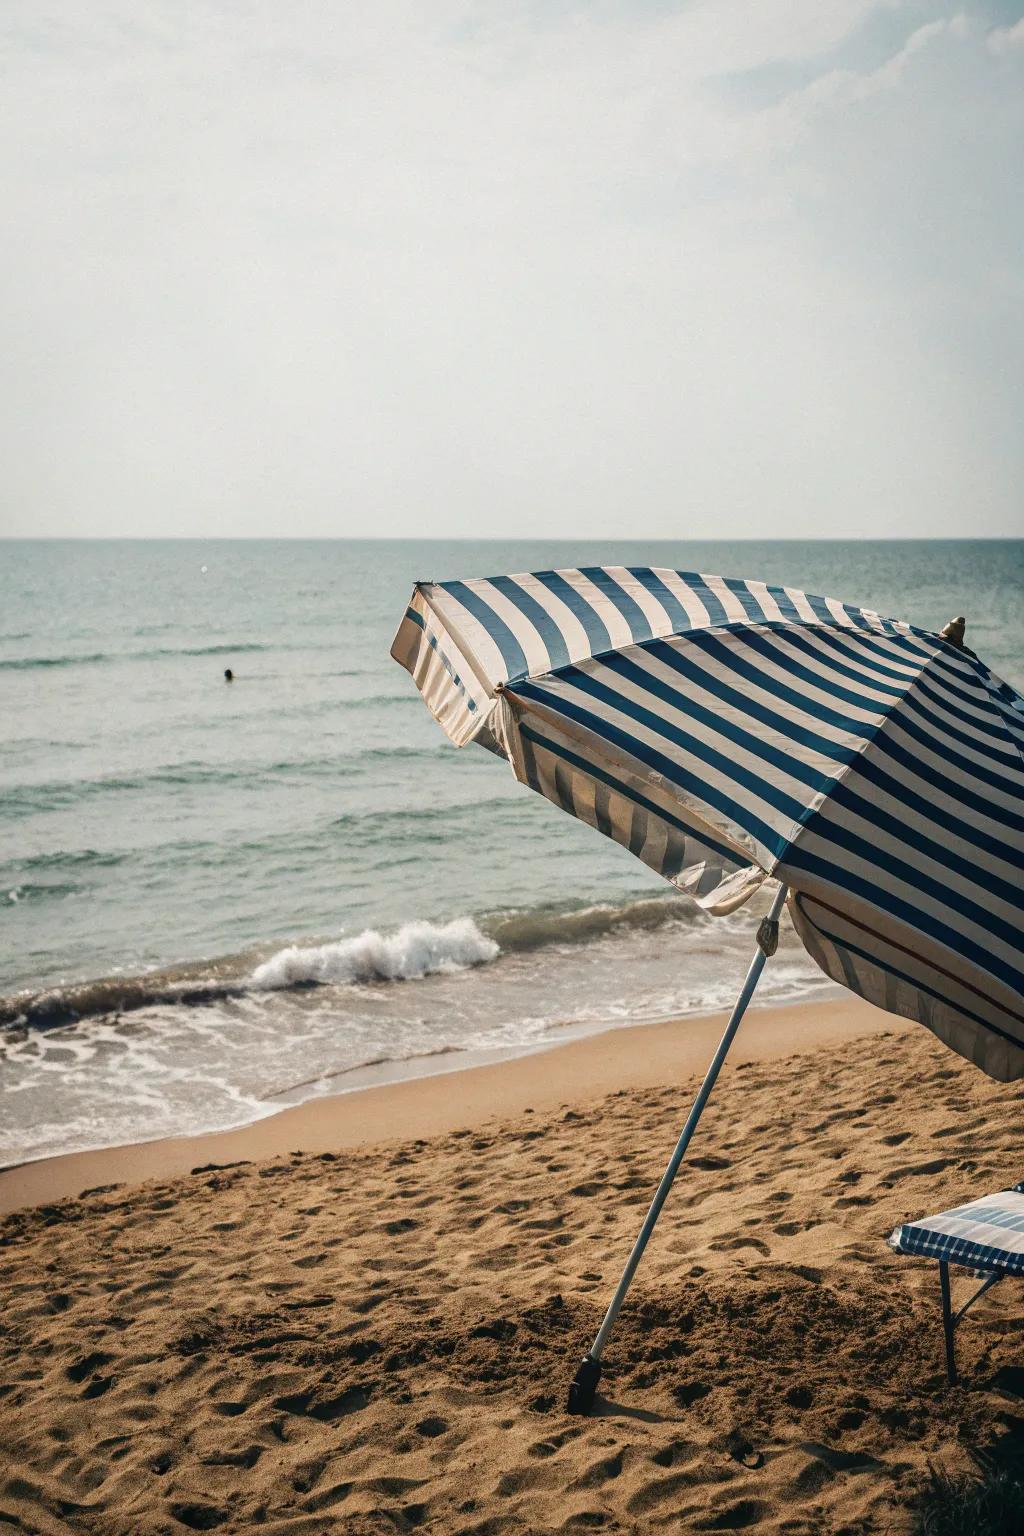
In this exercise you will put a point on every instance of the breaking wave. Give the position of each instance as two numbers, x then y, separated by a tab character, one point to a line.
417	949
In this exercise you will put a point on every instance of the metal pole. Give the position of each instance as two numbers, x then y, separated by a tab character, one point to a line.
584	1386
948	1322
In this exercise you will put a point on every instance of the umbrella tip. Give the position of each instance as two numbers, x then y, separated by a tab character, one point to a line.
584	1387
953	633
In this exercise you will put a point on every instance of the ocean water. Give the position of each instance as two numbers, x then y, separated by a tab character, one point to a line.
218	898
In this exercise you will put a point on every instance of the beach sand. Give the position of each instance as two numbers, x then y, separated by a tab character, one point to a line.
375	1333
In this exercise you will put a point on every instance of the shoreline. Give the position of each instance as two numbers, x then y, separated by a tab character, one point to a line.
424	1105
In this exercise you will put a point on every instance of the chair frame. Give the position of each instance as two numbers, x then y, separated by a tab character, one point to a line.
951	1318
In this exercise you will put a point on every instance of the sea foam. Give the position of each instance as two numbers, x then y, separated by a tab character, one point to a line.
416	949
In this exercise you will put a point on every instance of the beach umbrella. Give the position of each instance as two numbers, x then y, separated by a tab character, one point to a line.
731	733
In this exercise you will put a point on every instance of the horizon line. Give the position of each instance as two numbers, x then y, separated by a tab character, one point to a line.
327	538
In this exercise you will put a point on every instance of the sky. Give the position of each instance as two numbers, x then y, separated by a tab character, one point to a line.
710	269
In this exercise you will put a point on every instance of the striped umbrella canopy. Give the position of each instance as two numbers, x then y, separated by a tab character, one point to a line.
727	732
732	732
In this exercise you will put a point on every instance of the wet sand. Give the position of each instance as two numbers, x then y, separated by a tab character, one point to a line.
445	1101
374	1333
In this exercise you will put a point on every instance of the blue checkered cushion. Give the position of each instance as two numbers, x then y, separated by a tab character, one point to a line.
986	1234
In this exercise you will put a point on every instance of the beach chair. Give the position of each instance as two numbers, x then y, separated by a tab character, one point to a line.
985	1236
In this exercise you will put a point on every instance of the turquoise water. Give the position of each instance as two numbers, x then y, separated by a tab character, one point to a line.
309	823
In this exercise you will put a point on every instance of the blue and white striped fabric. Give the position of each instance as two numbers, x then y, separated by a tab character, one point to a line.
729	731
986	1234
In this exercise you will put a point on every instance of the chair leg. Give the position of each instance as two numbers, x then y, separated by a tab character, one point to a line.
948	1322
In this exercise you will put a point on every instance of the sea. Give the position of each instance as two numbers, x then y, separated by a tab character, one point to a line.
218	899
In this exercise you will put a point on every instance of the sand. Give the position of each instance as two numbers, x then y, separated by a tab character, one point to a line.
427	1106
377	1336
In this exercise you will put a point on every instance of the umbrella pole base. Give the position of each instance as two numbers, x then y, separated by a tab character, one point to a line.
584	1387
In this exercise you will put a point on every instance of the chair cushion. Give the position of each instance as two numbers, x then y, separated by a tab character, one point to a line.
986	1234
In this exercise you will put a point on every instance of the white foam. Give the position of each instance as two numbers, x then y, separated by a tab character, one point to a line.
416	949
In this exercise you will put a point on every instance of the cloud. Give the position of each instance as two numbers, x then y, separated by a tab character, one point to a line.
508	267
839	89
1007	39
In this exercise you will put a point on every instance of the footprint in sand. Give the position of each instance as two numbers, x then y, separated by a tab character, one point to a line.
245	1458
98	1386
675	1453
729	1244
326	1497
690	1392
84	1367
306	1477
602	1471
199	1517
326	1410
853	1418
738	1516
659	1492
545	1448
916	1170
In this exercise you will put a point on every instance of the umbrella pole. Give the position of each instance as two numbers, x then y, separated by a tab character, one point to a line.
584	1386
